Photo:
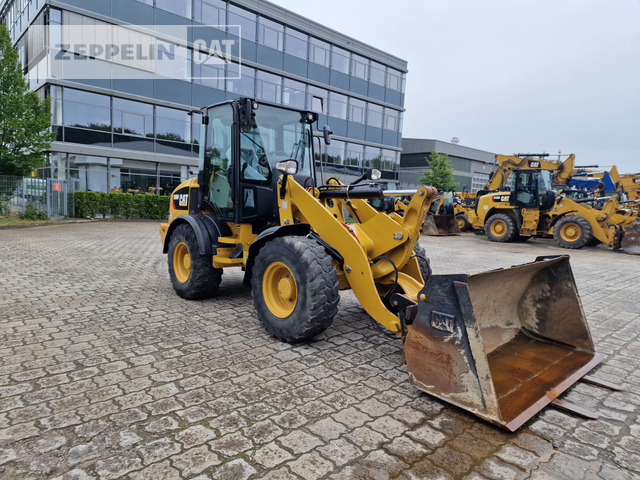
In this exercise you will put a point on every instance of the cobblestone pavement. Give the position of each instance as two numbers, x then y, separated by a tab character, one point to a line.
105	373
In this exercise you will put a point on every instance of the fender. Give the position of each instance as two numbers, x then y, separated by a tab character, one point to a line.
296	229
208	228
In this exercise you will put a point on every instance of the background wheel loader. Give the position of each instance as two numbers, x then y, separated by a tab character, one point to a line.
531	208
502	344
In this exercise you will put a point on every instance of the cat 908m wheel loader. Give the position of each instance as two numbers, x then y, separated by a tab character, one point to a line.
501	344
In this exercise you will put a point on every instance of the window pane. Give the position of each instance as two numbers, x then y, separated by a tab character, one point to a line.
133	118
270	34
394	79
359	67
340	60
269	87
173	61
374	115
338	105
319	52
179	8
212	12
318	100
296	43
391	119
354	154
377	73
85	109
335	152
241	80
172	125
357	110
372	157
293	93
246	20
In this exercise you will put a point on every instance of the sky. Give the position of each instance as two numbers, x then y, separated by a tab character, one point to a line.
510	76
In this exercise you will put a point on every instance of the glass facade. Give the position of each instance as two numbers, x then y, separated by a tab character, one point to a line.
357	91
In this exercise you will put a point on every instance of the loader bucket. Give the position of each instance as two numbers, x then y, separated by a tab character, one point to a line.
441	225
630	242
501	344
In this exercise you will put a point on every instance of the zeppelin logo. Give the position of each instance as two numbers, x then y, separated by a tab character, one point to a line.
442	321
534	164
501	198
181	199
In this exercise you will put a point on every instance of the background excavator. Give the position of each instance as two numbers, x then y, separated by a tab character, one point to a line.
501	344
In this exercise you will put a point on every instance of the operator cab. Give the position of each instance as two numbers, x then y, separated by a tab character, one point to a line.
259	136
532	189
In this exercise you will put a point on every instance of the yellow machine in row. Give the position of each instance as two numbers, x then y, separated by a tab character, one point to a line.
257	204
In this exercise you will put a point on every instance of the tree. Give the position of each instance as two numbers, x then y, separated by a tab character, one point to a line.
24	118
441	174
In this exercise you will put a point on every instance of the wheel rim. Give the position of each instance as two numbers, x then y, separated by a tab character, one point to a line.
279	290
570	232
182	262
499	228
460	223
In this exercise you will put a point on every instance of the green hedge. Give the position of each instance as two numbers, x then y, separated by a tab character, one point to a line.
120	205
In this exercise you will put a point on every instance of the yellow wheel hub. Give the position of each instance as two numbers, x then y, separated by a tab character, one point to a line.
460	223
570	232
182	262
279	290
498	228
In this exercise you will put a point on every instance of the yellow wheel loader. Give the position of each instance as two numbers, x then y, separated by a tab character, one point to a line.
501	344
531	208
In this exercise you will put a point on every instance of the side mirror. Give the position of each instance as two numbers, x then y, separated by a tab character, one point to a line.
326	134
288	167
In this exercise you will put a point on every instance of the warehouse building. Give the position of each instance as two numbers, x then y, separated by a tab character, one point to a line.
472	167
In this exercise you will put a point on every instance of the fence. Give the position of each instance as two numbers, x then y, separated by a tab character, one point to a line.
50	195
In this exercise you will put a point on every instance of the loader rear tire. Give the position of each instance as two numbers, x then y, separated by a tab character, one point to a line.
295	288
572	231
192	275
463	222
501	228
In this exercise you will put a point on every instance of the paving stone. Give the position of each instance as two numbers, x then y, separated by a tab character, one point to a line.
231	445
196	435
300	442
340	451
82	453
271	455
236	469
164	424
158	450
327	429
311	466
195	461
117	466
158	471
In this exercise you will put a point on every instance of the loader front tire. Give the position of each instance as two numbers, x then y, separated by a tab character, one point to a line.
192	275
423	261
463	222
501	228
295	288
573	231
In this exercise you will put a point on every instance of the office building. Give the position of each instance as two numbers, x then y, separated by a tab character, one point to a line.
125	119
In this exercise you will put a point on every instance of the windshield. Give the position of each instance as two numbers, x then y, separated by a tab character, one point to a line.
276	135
